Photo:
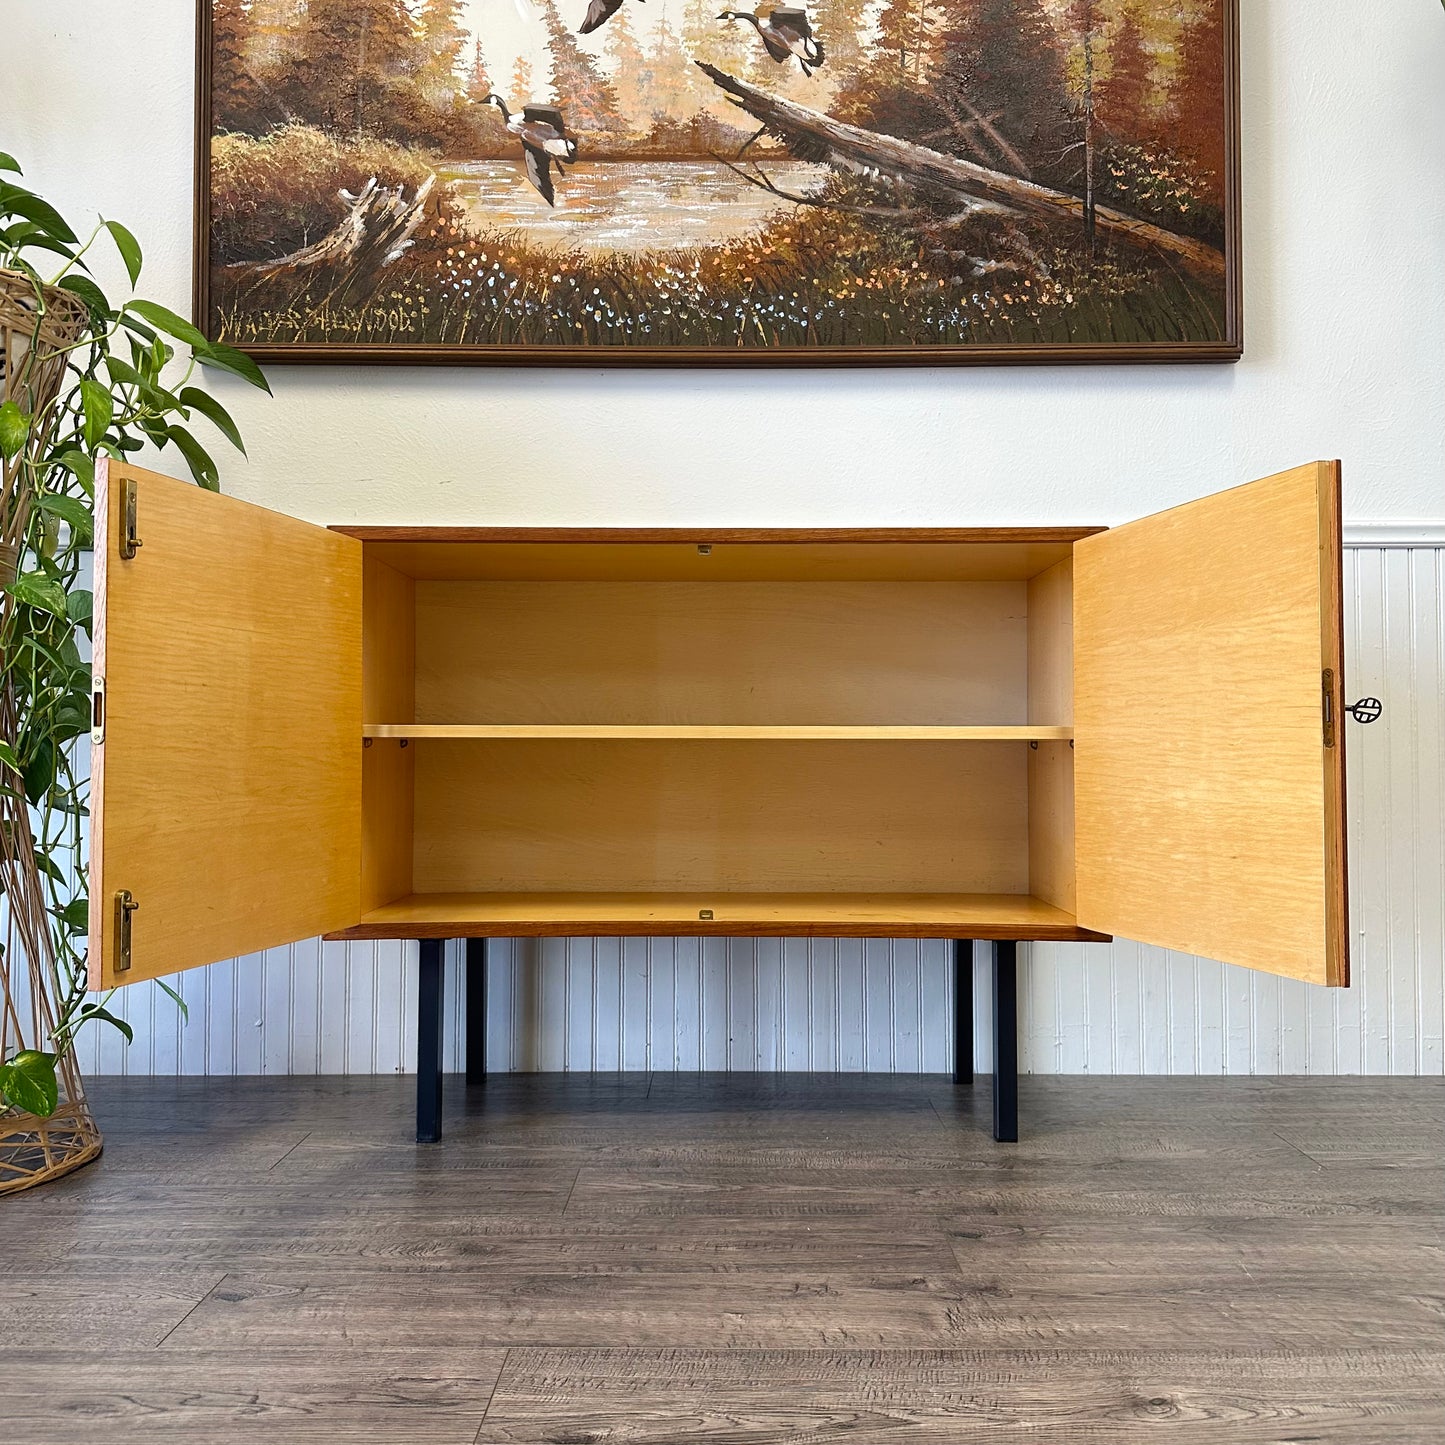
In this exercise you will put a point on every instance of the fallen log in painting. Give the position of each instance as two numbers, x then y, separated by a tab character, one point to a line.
811	135
346	263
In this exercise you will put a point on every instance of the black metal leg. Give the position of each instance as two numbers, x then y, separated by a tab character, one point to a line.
963	1010
429	1044
1005	1043
476	1011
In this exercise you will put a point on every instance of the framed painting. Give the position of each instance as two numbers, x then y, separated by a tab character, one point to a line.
829	182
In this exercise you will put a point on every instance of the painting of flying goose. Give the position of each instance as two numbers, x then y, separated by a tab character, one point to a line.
815	182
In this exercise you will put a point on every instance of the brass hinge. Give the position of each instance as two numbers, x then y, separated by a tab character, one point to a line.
130	541
125	905
1327	689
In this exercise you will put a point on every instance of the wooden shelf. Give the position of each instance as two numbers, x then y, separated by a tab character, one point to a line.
768	915
716	732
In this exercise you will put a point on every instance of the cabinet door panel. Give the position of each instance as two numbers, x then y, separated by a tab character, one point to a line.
226	784
1209	810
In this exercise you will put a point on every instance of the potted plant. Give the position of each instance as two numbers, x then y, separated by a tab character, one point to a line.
79	378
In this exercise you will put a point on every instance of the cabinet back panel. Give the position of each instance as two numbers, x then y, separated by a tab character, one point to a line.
727	816
734	652
986	554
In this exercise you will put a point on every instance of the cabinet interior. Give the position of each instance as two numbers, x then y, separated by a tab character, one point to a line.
734	737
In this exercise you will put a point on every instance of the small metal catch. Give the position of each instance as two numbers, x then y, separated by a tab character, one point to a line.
97	710
705	914
704	549
125	905
130	541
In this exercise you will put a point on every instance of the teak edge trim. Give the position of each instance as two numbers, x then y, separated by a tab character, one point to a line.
753	535
723	928
1230	349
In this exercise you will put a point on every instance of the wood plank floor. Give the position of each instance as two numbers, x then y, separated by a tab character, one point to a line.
736	1260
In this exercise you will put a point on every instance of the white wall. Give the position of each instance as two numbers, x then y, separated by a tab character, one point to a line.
1344	256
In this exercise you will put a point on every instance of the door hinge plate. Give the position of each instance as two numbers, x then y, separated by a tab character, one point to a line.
1327	703
125	906
130	541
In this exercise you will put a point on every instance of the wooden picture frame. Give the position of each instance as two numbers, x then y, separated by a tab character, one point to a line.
246	302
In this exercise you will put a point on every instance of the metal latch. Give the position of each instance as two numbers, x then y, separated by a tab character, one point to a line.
130	541
97	710
1367	710
125	905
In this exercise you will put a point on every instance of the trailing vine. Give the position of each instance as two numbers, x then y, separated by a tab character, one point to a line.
127	382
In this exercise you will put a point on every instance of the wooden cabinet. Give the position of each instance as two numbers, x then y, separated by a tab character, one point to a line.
1026	733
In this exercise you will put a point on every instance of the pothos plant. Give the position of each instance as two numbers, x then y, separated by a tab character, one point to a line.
127	382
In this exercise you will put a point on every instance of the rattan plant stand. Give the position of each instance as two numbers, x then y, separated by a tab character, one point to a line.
33	359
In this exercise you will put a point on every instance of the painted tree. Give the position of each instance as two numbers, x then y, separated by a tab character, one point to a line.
521	82
907	35
630	74
672	71
272	41
842	28
237	101
1083	20
484	133
1003	62
479	80
1125	93
1196	99
443	42
352	58
582	90
725	44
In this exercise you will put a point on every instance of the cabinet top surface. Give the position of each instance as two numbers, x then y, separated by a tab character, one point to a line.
718	554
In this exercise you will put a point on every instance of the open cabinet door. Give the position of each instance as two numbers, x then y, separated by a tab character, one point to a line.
1209	755
226	759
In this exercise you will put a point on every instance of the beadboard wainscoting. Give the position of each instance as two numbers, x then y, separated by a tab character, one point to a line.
885	1005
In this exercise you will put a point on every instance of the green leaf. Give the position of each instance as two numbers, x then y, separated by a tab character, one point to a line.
28	1081
99	408
41	242
21	203
68	509
48	867
39	773
217	353
9	163
128	247
75	915
80	606
88	292
80	467
7	756
123	372
38	590
139	327
158	357
213	411
179	1001
104	1015
14	428
167	321
198	459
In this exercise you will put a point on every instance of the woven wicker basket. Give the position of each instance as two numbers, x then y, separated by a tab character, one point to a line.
33	337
